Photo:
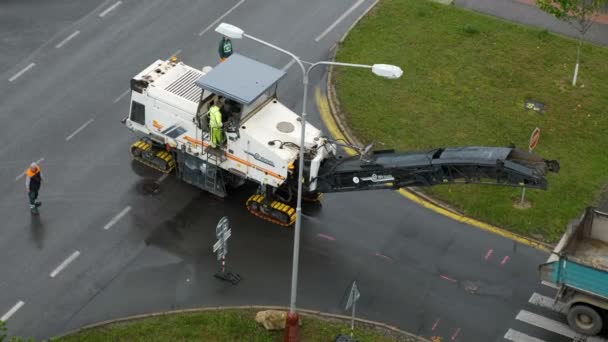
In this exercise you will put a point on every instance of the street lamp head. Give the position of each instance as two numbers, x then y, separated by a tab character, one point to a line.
229	31
387	70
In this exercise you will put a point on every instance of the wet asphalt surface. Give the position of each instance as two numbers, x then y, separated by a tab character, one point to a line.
416	269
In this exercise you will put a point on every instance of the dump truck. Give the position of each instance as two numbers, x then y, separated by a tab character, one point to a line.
578	268
169	112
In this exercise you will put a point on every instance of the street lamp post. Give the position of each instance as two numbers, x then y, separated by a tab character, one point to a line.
292	333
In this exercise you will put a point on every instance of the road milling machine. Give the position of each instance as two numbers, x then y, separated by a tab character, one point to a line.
169	112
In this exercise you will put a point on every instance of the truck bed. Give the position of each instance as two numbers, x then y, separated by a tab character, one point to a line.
580	259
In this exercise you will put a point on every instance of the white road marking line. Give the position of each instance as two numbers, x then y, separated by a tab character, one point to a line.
516	336
220	18
353	7
23	71
23	173
79	129
102	14
547	302
551	325
63	42
64	264
551	285
12	311
162	178
176	53
121	96
117	218
288	65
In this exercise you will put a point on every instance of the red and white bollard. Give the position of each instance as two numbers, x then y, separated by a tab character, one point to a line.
292	327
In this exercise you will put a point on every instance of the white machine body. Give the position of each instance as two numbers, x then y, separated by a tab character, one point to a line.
263	148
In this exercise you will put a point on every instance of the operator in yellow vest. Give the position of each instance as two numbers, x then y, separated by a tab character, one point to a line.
215	123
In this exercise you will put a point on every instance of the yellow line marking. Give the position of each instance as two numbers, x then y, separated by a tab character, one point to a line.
332	127
328	119
475	223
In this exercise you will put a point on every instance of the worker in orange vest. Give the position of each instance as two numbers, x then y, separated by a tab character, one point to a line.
33	180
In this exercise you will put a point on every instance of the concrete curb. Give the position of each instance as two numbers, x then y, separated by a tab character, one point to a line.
304	312
413	193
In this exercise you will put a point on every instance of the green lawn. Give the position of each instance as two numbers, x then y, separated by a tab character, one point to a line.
226	325
465	80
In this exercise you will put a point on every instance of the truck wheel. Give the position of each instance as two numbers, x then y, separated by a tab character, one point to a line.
585	320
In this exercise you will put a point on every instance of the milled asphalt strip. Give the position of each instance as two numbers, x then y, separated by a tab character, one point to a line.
23	173
516	336
63	42
551	325
102	14
64	264
121	96
339	20
117	218
12	311
23	71
79	129
220	18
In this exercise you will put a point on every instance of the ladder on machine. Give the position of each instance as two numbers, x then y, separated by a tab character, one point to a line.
213	175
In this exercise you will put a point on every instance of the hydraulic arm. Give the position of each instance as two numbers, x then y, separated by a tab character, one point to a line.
387	169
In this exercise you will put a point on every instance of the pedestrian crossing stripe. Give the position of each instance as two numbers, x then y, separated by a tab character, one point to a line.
546	324
516	336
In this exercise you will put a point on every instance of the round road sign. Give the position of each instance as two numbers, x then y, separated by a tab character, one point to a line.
534	138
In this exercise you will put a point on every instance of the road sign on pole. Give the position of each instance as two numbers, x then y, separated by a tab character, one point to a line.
353	297
534	139
223	232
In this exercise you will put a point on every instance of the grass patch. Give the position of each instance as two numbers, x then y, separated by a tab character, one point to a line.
225	325
466	77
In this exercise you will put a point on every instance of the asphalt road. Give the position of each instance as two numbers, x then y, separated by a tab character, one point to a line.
61	99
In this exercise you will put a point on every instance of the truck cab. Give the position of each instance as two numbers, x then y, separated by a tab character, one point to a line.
578	268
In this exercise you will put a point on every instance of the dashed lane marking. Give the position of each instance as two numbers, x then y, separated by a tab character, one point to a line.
21	72
220	18
63	42
162	178
339	20
121	96
64	264
288	65
176	53
79	129
12	311
117	218
109	9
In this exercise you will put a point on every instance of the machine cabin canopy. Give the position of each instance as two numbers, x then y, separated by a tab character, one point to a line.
240	79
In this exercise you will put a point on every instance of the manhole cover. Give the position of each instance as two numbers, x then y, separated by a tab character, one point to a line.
148	187
285	127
